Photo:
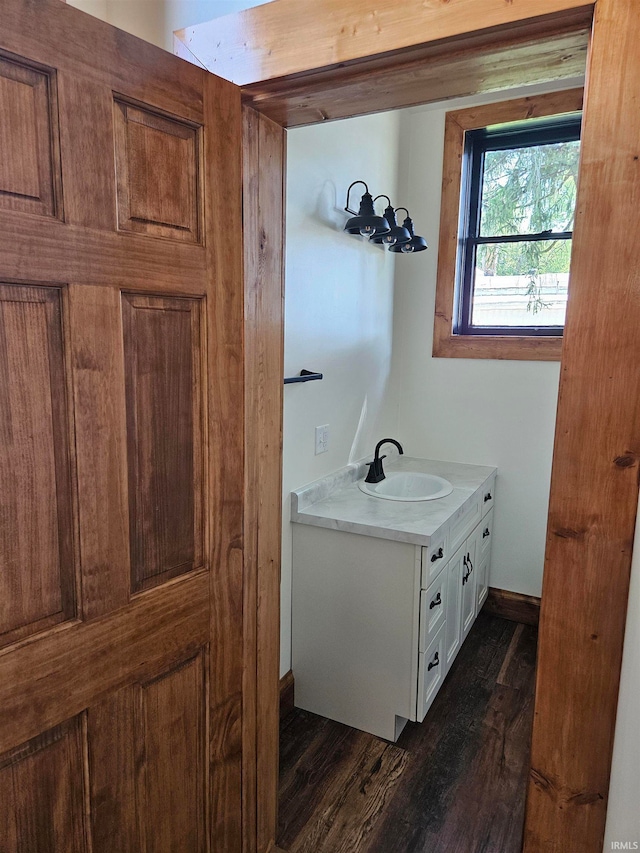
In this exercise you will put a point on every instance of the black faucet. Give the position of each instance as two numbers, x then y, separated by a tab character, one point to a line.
376	473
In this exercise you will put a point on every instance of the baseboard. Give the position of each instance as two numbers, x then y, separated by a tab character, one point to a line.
513	606
286	694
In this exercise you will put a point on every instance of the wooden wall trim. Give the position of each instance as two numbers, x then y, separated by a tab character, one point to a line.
513	606
280	39
431	73
594	484
287	694
263	196
457	123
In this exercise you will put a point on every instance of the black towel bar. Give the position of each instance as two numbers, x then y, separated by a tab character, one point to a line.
305	376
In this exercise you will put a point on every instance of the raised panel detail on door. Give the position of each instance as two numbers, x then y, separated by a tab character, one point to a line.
158	174
37	573
148	759
29	142
163	386
42	793
173	722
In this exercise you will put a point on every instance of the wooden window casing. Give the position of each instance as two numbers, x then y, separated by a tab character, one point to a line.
446	344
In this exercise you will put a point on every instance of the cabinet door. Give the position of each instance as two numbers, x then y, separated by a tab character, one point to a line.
469	575
484	560
454	605
431	673
482	581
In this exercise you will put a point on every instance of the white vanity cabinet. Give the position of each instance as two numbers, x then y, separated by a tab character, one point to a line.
377	622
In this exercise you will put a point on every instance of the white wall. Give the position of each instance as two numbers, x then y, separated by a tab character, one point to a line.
97	8
498	413
339	308
623	813
185	13
156	20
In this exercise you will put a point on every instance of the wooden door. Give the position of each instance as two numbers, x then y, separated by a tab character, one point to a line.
121	443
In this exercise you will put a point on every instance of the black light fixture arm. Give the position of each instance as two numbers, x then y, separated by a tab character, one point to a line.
347	208
382	195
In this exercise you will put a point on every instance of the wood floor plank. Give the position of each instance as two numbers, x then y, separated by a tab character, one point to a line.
489	808
323	767
350	808
520	662
455	782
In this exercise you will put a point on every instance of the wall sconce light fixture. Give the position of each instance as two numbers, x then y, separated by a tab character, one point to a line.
365	222
414	244
397	234
383	230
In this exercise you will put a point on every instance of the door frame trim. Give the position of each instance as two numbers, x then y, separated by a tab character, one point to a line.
591	519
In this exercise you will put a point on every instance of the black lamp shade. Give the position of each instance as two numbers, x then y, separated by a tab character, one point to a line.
397	234
366	222
415	244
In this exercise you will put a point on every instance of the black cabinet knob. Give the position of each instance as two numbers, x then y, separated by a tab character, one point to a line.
487	497
439	554
486	533
436	601
435	662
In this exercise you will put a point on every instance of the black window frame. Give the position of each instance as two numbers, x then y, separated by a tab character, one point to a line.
477	142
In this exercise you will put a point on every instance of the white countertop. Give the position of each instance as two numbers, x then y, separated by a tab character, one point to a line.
336	501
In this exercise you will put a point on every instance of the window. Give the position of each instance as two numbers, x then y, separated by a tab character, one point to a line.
509	193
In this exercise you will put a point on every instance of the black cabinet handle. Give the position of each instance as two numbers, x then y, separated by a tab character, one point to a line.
434	663
469	563
438	555
465	575
487	497
436	601
486	533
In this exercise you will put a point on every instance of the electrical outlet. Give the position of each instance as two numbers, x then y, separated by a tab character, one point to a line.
322	439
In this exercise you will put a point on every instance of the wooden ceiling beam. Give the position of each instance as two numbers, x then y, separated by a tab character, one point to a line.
286	37
436	73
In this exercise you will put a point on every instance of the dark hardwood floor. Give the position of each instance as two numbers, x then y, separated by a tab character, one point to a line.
454	783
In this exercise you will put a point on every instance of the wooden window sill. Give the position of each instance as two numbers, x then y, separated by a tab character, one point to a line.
499	347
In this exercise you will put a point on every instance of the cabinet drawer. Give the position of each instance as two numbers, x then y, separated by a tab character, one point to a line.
433	608
431	672
464	522
487	535
434	558
482	581
488	495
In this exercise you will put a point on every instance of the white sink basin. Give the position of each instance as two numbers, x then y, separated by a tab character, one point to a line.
408	486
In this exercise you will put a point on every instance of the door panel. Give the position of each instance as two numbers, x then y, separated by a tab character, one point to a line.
164	204
148	746
173	725
164	436
37	581
43	790
29	166
121	457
